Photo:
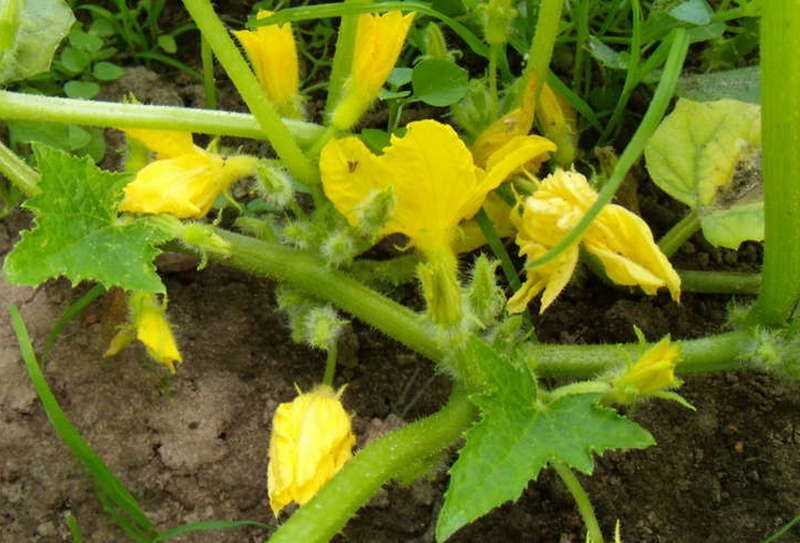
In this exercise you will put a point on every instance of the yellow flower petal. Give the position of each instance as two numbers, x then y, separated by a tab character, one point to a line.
621	240
550	278
273	53
153	330
623	243
517	122
379	40
311	440
165	143
185	186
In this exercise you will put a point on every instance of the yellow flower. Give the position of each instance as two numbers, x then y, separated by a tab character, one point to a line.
653	372
379	40
555	115
471	237
148	319
436	185
620	240
273	54
311	441
185	180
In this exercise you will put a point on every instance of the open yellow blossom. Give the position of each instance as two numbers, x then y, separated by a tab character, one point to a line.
379	40
621	241
150	326
273	53
185	180
311	440
654	372
436	185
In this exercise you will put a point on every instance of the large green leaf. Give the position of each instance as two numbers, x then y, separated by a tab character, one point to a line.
77	233
707	155
518	436
40	27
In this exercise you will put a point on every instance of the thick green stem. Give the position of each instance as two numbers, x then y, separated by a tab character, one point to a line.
322	518
17	172
594	533
634	149
780	99
343	58
710	282
544	39
305	271
30	107
678	234
232	60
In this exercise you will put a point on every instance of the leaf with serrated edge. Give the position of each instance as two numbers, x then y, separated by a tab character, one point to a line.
77	233
516	438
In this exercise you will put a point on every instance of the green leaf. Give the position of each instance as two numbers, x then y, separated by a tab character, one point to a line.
375	139
66	137
696	12
707	155
41	25
741	84
77	233
439	82
102	27
81	89
74	60
400	77
167	43
85	41
730	227
607	56
517	437
106	71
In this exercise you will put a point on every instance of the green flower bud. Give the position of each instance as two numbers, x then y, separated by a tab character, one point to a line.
476	110
298	233
275	183
434	44
373	212
323	327
297	307
497	18
485	298
440	287
339	248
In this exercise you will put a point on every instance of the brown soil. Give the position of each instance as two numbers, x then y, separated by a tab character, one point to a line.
194	447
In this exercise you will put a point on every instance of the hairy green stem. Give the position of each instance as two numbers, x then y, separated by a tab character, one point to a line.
780	99
544	40
305	271
330	365
680	233
20	175
325	515
343	58
253	95
594	533
16	106
634	149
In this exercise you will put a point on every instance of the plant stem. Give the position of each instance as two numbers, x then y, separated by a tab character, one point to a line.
209	83
15	169
494	53
343	58
544	39
253	95
594	535
634	149
305	271
321	518
580	13
678	234
330	364
499	250
16	106
780	98
711	282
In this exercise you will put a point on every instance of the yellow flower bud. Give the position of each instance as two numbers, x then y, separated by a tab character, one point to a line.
653	372
149	325
185	180
311	440
273	53
379	40
620	240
